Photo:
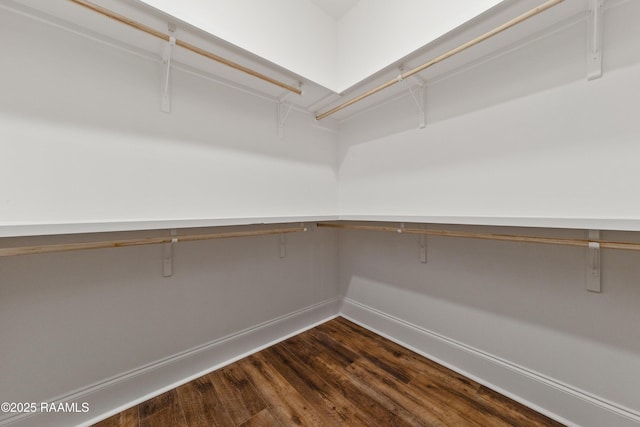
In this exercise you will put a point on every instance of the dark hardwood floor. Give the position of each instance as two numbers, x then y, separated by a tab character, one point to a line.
337	374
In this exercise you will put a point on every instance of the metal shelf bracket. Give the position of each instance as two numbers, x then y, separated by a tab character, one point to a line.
594	41
593	262
423	248
167	255
418	94
165	95
283	109
282	245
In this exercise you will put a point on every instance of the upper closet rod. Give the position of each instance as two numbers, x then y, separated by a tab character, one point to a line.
444	56
185	45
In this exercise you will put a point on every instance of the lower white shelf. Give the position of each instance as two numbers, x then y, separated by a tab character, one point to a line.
614	224
45	229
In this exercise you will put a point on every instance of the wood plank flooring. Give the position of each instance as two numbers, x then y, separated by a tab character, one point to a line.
337	374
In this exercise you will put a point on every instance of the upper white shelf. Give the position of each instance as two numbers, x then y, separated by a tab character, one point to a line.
18	230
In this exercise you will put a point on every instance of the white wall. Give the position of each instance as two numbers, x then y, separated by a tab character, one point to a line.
514	304
73	320
334	54
110	155
291	33
522	135
569	152
82	139
376	33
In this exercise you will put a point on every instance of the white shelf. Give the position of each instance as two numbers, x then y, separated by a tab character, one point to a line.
16	230
619	224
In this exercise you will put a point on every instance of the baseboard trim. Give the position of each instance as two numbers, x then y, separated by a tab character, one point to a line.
562	402
116	394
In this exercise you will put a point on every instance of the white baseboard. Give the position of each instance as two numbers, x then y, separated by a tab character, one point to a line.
562	402
124	391
557	400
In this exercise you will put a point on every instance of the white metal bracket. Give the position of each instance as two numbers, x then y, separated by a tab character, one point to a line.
165	95
423	248
593	262
167	255
283	109
418	95
594	42
282	245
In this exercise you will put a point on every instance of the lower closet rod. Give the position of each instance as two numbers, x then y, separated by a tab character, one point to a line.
490	236
64	247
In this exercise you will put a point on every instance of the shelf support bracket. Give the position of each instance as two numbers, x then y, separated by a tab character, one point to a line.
593	262
167	255
165	95
283	109
423	248
594	42
282	245
418	95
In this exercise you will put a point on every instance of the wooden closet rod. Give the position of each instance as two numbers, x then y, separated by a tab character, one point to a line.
185	45
490	236
65	247
444	56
